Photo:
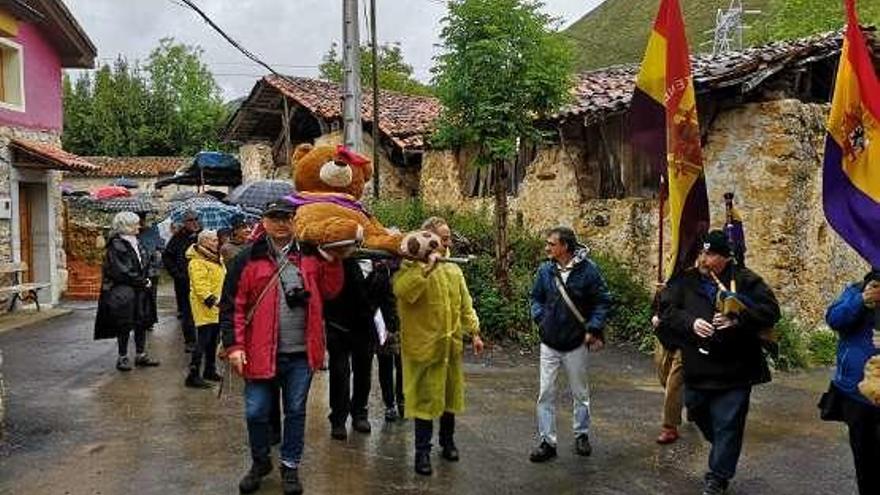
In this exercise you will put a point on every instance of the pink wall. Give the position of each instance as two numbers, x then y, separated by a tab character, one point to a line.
42	83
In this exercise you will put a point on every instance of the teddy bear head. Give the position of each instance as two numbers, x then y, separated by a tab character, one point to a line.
419	244
330	169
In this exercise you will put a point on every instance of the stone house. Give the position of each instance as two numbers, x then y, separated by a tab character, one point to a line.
38	38
144	170
762	115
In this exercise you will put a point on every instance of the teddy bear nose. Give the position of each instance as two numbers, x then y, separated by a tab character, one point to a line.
340	164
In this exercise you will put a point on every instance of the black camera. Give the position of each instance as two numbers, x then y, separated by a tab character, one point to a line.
296	297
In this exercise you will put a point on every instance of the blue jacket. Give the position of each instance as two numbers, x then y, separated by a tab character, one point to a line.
849	317
559	328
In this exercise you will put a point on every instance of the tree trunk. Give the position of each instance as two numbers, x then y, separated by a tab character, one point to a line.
502	249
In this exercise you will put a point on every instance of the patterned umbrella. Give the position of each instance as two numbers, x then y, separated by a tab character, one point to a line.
181	196
256	194
136	204
213	215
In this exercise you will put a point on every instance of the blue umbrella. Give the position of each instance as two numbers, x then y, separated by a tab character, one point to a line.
213	215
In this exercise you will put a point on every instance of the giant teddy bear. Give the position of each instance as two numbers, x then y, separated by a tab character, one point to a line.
329	182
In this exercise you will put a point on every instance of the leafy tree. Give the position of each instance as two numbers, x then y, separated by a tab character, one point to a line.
172	106
394	73
502	66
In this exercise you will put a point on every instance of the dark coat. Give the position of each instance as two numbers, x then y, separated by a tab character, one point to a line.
854	323
174	257
735	358
382	296
559	328
125	300
353	309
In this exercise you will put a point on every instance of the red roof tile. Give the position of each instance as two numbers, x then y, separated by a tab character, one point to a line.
48	156
137	166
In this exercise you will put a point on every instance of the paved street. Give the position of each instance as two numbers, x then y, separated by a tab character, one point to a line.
77	426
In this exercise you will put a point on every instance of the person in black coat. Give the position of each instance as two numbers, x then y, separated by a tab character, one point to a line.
388	353
125	301
175	262
721	349
350	335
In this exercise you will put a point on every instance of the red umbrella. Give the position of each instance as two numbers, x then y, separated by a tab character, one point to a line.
107	192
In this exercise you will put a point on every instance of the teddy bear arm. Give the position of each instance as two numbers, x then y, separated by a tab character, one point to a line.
377	236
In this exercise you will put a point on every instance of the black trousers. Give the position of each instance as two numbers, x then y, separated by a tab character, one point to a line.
184	310
208	335
351	368
864	439
391	379
424	430
140	341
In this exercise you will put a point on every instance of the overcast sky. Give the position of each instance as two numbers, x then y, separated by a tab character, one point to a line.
291	35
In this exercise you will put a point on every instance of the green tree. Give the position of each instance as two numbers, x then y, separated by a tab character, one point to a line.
502	66
394	73
79	133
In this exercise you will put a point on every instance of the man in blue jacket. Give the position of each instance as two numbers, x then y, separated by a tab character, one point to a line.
570	303
852	316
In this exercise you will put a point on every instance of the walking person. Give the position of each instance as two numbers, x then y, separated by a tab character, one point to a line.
271	318
351	333
670	371
570	303
175	262
206	274
388	352
124	305
853	316
721	349
436	312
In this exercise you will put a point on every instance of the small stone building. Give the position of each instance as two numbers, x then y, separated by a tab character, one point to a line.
144	170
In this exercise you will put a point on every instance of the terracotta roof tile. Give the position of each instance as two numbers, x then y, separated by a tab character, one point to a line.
137	166
48	156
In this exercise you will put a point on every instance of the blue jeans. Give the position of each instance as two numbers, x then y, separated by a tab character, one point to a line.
294	377
721	417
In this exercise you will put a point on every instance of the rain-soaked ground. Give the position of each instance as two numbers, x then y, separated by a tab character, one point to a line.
75	425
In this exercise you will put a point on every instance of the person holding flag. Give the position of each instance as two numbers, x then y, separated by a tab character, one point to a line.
851	199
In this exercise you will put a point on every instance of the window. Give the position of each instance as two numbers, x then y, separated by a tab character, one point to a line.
11	76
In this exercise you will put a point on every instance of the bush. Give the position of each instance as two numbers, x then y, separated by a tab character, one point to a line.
822	344
631	311
793	350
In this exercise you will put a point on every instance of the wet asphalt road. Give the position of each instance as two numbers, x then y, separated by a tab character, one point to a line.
75	425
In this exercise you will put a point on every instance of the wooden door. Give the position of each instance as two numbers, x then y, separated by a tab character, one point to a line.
27	243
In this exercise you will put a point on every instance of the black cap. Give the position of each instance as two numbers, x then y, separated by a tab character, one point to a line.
716	242
278	208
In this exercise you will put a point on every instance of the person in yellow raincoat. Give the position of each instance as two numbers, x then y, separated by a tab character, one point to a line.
436	311
206	273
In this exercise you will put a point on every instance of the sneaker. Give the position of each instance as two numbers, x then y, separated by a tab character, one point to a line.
390	414
193	380
423	463
361	425
667	435
143	360
543	452
338	432
449	452
582	445
290	481
123	364
212	376
713	485
252	480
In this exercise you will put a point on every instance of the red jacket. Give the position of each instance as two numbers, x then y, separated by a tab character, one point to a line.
251	270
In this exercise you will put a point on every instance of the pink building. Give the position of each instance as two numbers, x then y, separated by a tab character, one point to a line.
38	38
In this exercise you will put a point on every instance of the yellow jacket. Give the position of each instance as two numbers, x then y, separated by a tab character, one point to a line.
205	279
435	313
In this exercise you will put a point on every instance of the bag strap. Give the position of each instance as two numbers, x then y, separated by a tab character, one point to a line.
270	283
560	286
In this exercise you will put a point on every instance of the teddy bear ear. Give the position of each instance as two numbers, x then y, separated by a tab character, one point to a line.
300	151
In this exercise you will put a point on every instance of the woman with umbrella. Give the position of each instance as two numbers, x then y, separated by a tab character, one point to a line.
124	303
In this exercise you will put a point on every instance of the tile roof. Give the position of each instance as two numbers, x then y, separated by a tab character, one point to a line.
405	119
48	156
136	166
608	91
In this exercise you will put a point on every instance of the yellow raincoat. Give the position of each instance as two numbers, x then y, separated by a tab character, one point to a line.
435	313
205	279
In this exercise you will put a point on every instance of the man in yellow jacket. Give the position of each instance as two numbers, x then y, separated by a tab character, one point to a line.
206	273
435	311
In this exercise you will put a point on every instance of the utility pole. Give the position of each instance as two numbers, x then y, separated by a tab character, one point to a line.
376	135
351	67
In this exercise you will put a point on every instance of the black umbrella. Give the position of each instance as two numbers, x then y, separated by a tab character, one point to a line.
256	194
135	204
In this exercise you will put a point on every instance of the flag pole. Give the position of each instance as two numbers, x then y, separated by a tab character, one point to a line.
662	204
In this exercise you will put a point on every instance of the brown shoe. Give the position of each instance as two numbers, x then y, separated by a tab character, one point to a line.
667	435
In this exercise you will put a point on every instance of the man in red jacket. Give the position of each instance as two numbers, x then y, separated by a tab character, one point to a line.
273	333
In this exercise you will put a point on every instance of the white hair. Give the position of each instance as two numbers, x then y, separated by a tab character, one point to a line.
126	223
205	235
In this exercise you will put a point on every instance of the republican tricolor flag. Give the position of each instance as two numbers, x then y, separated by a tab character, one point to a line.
851	174
664	125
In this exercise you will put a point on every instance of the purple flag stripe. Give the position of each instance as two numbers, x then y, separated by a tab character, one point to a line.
851	213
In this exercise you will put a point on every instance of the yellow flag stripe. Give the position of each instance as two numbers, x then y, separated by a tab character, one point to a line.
652	76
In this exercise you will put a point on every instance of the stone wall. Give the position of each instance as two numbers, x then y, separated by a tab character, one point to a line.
768	154
256	161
